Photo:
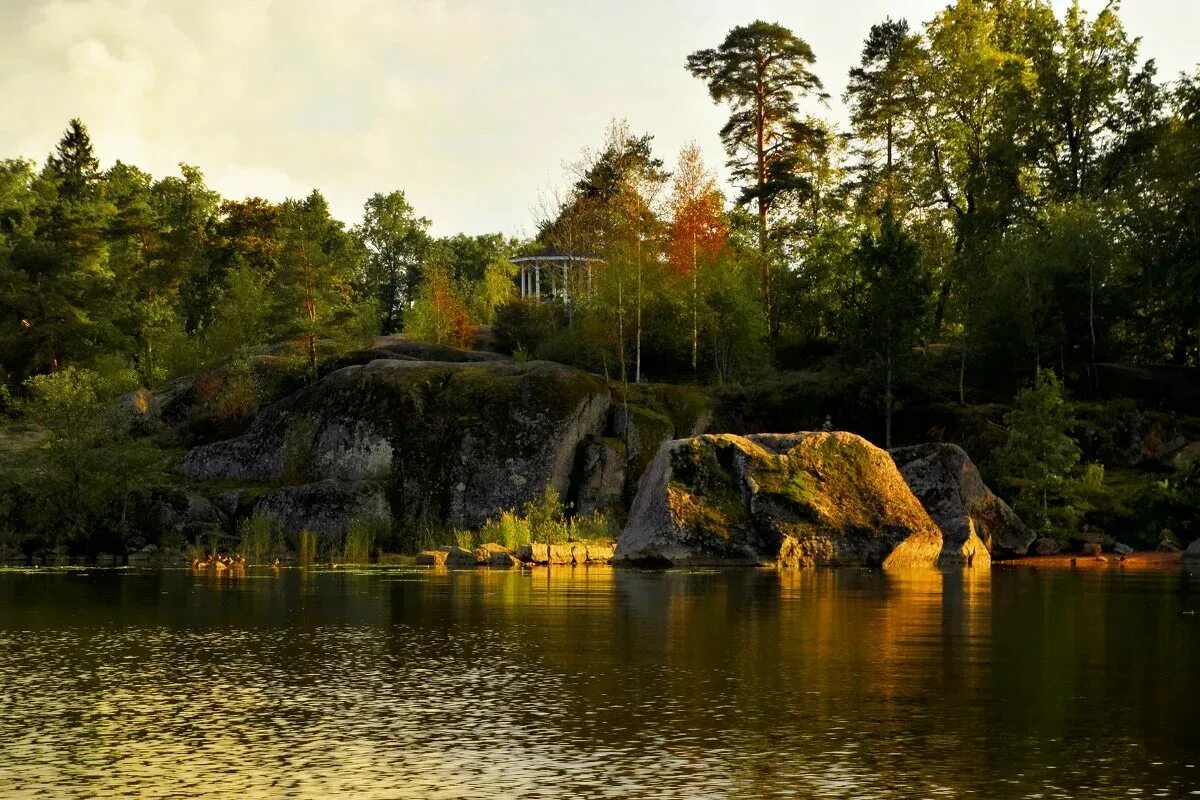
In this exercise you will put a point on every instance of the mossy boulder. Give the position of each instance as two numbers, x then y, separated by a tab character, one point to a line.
800	499
453	443
949	486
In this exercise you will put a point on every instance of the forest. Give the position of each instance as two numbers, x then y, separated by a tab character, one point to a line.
1002	248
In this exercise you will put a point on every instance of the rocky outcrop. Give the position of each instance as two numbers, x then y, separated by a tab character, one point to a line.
782	499
1192	554
454	442
324	507
949	486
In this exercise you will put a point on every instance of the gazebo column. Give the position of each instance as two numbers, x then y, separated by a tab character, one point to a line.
537	280
565	298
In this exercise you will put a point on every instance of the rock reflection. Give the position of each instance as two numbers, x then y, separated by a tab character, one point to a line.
595	682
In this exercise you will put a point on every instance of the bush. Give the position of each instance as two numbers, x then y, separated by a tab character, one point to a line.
524	324
546	519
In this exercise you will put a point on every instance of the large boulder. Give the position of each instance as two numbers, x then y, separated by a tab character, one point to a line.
1192	554
454	442
788	499
949	486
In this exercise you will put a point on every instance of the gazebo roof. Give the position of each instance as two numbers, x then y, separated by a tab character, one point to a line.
552	255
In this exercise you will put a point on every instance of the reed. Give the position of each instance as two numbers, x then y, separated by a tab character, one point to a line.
306	548
260	535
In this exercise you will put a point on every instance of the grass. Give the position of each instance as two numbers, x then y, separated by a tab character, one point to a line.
261	535
361	538
306	548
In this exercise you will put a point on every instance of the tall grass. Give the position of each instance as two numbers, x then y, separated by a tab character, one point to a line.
464	539
509	530
545	520
306	548
361	537
261	535
594	527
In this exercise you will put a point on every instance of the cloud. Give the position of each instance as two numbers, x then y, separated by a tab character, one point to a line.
470	106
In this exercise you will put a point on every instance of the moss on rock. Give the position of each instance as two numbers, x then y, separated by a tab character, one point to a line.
792	499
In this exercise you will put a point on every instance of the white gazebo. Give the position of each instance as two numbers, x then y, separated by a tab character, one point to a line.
560	265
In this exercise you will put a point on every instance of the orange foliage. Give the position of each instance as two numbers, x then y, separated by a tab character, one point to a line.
698	228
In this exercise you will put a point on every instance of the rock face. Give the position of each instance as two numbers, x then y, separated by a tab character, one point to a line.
454	442
324	507
950	488
602	475
1192	554
789	499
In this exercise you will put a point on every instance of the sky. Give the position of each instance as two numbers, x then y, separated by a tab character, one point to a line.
473	107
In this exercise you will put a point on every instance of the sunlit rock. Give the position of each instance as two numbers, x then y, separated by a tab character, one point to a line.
798	499
454	442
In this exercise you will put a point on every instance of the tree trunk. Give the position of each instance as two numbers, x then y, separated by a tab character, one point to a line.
887	402
637	364
962	376
621	326
695	310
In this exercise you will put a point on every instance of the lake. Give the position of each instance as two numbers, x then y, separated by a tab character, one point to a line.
600	682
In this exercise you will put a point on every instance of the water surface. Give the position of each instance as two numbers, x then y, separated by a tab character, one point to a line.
600	683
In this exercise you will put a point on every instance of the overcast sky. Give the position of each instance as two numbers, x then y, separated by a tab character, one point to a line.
472	107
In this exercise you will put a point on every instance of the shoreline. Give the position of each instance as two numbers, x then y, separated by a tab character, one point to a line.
1148	560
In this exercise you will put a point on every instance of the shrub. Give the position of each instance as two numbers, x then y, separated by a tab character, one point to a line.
545	518
523	324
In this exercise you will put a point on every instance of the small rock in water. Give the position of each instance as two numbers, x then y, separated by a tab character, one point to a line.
483	553
502	560
460	557
431	558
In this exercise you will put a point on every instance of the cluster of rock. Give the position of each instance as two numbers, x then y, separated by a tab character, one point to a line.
816	498
447	437
527	555
423	435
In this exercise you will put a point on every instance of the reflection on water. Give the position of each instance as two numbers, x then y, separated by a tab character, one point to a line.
599	683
